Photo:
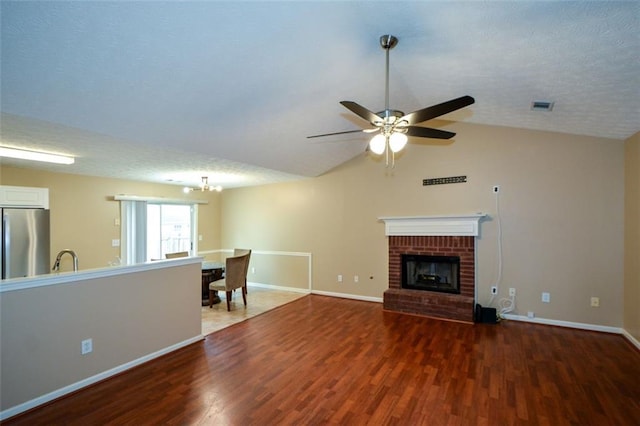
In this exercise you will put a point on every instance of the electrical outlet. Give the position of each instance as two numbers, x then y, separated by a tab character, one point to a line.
339	278
595	302
494	290
546	297
495	189
253	270
531	315
356	278
86	346
512	291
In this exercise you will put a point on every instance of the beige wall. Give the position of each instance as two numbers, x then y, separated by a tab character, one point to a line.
561	202
83	212
290	270
128	317
632	236
562	205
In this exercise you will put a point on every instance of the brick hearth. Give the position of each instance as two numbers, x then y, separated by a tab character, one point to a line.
434	304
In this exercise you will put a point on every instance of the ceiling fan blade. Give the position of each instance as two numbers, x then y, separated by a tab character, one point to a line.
437	110
361	111
425	132
337	133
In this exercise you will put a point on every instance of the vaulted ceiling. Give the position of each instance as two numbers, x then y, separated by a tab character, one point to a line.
172	91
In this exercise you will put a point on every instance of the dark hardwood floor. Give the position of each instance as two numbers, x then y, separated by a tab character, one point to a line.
321	360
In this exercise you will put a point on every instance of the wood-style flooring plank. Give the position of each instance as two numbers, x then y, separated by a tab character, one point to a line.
321	360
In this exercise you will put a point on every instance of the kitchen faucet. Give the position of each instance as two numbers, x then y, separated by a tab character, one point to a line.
56	265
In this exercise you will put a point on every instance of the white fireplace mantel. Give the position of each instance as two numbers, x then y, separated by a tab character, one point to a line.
459	225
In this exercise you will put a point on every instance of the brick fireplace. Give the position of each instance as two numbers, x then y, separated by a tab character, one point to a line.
451	236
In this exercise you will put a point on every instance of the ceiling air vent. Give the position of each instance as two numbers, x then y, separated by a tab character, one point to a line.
541	106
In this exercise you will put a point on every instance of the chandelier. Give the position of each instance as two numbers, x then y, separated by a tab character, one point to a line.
204	186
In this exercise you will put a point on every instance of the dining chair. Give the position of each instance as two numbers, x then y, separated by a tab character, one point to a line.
238	252
235	278
176	255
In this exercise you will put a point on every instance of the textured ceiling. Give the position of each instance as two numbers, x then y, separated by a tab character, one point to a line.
171	91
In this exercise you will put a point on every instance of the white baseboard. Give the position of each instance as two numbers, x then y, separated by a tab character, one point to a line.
578	325
321	293
632	339
279	287
20	408
348	296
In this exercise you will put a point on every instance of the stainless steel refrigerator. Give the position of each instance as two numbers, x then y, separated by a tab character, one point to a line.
25	242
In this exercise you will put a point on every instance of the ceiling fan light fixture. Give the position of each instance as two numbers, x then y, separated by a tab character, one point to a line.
397	141
378	144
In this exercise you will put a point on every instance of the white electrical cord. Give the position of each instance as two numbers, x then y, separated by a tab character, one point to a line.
499	224
505	305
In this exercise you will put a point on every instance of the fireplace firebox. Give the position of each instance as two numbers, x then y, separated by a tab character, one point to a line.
431	273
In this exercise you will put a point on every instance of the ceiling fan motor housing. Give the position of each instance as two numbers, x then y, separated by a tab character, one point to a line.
390	113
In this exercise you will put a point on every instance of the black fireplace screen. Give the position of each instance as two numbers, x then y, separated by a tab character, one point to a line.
432	273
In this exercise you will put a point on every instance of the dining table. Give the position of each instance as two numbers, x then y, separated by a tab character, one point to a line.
211	271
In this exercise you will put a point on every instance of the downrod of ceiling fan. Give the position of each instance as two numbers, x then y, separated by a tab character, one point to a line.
387	42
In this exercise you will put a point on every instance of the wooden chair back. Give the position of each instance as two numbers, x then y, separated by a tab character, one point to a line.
176	255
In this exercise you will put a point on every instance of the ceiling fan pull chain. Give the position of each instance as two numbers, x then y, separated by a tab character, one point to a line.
386	152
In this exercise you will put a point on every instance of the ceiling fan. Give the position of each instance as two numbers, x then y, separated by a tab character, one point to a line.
392	126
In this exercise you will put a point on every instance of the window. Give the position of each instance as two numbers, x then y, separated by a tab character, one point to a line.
152	228
168	229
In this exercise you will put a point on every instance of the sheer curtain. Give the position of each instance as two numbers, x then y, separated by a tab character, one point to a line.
133	239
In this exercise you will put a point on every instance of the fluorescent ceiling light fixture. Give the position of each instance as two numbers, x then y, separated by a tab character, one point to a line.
35	156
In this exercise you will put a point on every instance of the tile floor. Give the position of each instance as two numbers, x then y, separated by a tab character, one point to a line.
259	300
